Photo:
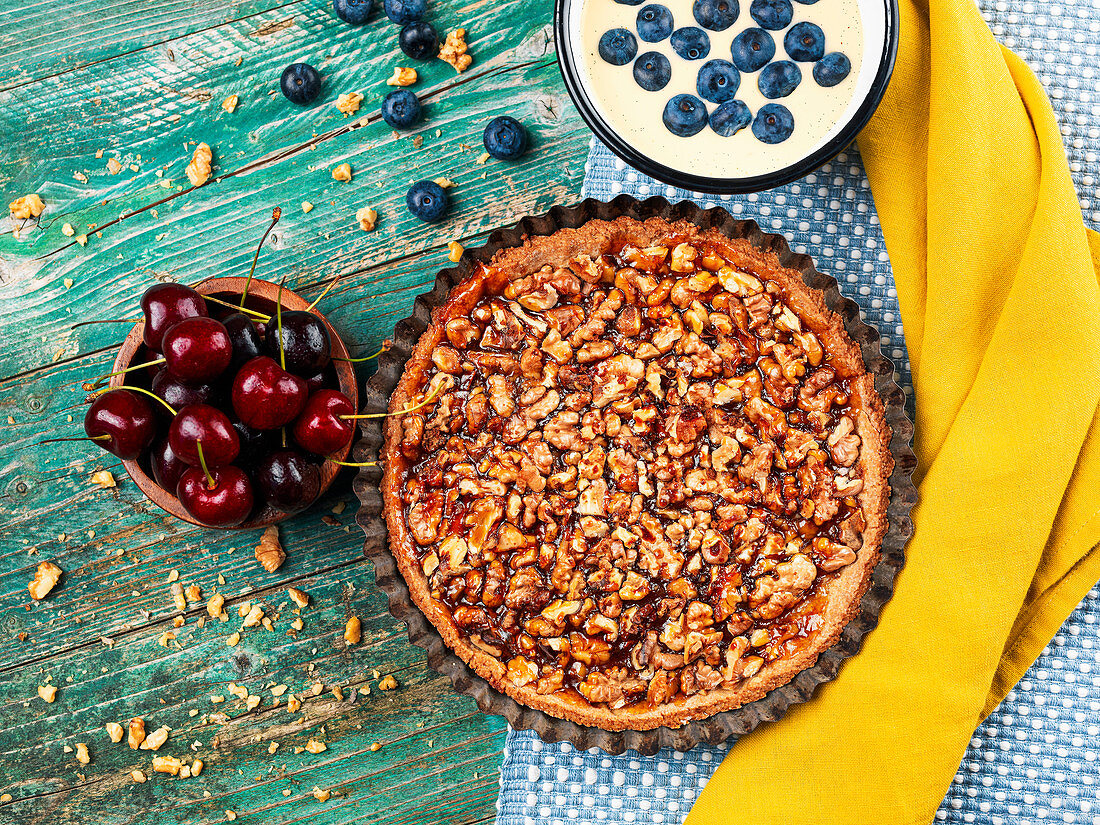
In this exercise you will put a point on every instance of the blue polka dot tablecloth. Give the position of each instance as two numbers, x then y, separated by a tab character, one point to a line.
1036	759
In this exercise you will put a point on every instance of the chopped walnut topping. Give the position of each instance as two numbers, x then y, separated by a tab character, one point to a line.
387	683
321	795
453	51
198	170
315	747
26	207
348	103
402	76
342	172
46	576
638	473
368	219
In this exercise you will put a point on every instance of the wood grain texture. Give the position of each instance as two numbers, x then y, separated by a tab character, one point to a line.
144	82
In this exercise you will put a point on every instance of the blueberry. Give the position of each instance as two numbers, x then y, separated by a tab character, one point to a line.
716	15
717	81
353	12
690	43
652	71
418	40
779	79
637	2
405	11
618	47
772	14
752	49
774	123
832	68
654	23
300	83
401	109
426	200
505	138
685	115
804	42
730	118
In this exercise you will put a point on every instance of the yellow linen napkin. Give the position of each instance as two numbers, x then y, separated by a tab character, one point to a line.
997	281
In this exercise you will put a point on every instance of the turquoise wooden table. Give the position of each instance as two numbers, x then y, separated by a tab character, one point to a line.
102	103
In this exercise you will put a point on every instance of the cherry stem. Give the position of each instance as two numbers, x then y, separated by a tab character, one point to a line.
354	463
385	348
252	312
210	485
142	391
108	321
276	213
101	437
279	322
323	294
426	401
282	430
96	382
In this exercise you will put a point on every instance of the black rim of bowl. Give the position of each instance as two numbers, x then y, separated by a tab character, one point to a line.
724	186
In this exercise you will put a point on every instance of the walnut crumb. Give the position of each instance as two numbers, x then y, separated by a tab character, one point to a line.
321	796
178	599
193	593
454	251
155	739
348	103
315	747
342	172
233	639
103	478
368	219
68	231
113	166
299	597
47	693
82	755
387	683
454	49
482	158
215	607
293	704
165	638
316	688
353	631
46	576
137	733
376	746
230	815
198	170
445	183
402	76
167	764
115	731
278	690
269	552
138	776
230	103
307	207
196	767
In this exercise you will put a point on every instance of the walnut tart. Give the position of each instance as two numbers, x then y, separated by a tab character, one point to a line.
636	473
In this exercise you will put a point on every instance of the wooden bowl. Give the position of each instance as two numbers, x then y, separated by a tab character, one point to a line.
261	297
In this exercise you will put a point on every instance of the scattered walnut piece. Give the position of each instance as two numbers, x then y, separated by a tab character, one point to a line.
342	172
321	796
82	755
137	733
166	764
238	691
387	683
299	597
215	606
165	638
368	219
297	624
196	767
155	739
198	170
178	599
402	76
68	231
138	776
233	639
376	746
454	251
269	552
26	207
101	477
307	207
348	103
454	49
230	815
254	617
293	704
47	693
313	746
193	593
230	103
278	690
115	731
252	702
444	183
113	166
46	576
353	630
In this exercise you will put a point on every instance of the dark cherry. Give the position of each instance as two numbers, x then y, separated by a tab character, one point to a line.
316	381
164	306
166	465
225	503
305	341
244	336
201	422
197	349
288	480
319	428
265	396
255	444
126	418
178	393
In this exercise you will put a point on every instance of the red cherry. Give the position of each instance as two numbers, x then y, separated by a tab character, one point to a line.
319	428
164	306
197	349
223	500
125	418
201	422
265	396
166	465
